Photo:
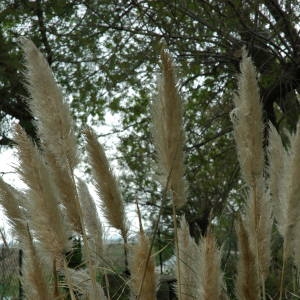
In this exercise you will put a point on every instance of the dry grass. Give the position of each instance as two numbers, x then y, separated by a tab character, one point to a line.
106	184
168	133
247	283
142	289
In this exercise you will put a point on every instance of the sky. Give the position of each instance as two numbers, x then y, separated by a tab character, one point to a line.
8	174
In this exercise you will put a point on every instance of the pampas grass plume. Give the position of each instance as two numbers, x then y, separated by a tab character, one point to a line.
46	218
290	195
189	264
66	188
248	123
249	133
34	283
211	276
9	199
277	157
34	280
82	283
106	184
55	127
247	283
284	174
168	132
91	221
54	121
142	289
259	222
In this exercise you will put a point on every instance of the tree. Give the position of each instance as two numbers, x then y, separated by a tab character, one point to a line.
105	55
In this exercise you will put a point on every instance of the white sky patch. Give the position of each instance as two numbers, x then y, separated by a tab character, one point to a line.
8	173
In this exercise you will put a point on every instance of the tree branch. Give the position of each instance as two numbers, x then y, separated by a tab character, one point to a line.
281	18
43	31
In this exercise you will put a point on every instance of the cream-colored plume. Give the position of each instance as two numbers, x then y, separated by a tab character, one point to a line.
81	282
248	123
277	163
290	196
211	276
55	128
247	282
9	199
66	187
259	226
249	133
54	121
33	280
189	265
92	222
143	279
106	184
168	133
284	174
45	215
33	277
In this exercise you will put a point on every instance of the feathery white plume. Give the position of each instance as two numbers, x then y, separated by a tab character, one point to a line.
168	133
